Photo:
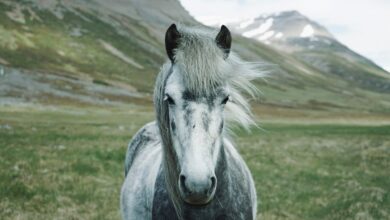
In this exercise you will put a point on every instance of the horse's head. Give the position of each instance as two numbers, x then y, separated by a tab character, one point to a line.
202	79
196	105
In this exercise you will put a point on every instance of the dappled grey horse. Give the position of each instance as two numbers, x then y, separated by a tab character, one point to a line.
183	166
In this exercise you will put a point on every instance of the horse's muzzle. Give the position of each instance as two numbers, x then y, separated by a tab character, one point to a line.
196	191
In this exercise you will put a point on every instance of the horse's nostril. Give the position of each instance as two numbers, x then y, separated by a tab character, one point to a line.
182	178
213	183
183	183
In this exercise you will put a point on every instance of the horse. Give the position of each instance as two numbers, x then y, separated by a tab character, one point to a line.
184	164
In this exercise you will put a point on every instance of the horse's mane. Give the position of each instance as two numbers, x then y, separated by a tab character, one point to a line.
202	63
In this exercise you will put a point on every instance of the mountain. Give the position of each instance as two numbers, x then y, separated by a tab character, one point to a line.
280	27
308	41
109	52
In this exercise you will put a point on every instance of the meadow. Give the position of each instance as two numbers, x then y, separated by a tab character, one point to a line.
67	163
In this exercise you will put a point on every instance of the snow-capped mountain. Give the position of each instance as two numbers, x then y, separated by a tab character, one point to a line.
281	27
295	34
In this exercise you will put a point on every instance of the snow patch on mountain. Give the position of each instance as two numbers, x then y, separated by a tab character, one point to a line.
261	29
307	31
279	35
247	23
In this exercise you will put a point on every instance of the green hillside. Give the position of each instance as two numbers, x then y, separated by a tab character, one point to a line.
75	46
106	46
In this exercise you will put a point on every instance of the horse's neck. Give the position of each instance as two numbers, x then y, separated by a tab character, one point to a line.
171	175
221	170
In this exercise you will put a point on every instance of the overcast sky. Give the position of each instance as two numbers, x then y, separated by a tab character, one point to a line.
363	25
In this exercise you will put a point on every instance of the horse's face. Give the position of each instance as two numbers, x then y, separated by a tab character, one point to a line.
196	123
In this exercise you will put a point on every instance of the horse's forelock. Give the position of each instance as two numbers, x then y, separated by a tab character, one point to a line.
200	60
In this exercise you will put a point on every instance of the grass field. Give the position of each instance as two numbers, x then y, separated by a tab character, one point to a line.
67	163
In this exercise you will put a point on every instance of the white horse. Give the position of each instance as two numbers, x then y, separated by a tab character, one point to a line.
183	166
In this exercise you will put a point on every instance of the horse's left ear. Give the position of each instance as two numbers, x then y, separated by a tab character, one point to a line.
172	38
224	40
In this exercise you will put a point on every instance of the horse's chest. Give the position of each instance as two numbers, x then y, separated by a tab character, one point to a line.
162	205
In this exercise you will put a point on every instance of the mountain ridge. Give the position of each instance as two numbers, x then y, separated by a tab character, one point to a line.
298	35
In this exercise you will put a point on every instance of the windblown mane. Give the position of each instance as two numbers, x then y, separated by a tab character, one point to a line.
202	62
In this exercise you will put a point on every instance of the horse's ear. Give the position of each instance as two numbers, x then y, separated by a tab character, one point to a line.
224	40
172	38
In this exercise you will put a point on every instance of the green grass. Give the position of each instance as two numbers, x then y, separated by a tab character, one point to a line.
58	164
320	171
68	163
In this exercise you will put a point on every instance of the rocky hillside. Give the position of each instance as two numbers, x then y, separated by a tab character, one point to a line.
112	51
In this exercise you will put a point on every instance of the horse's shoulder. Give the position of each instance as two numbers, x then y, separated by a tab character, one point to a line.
149	133
240	171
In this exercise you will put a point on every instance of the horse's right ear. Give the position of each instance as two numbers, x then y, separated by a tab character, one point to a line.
224	40
172	38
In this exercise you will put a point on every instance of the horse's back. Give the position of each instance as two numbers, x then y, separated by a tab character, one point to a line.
143	161
148	134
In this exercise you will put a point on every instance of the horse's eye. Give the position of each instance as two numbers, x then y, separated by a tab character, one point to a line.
169	100
225	100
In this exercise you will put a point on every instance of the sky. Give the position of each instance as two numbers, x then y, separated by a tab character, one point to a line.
362	25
